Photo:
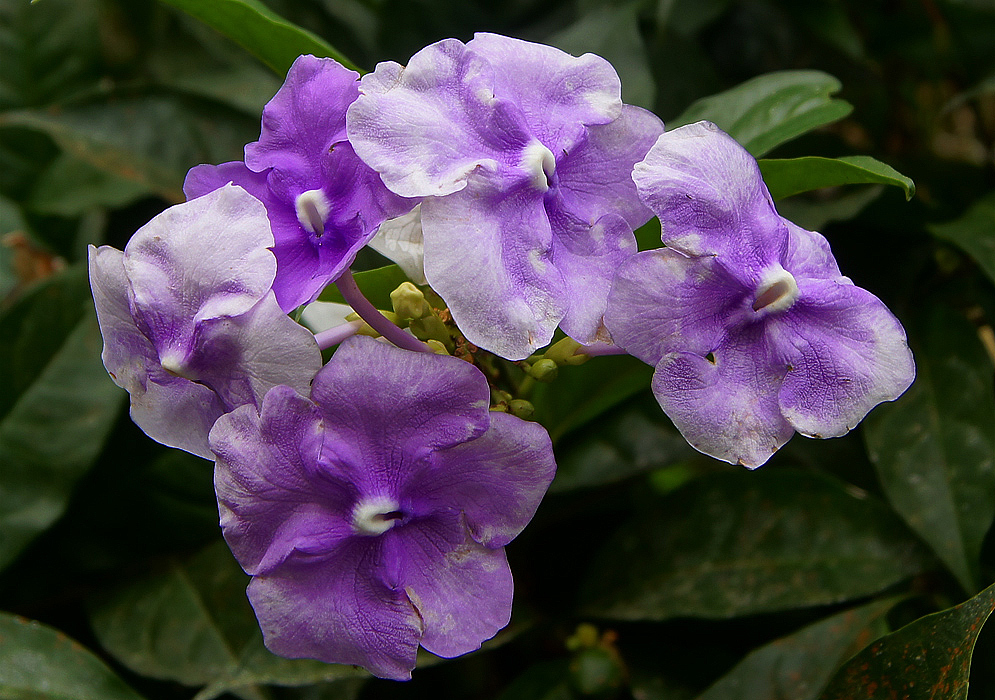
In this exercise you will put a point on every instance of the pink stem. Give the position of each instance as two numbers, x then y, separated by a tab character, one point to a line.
599	349
336	334
377	321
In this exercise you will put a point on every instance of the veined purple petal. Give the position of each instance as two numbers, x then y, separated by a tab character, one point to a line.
848	353
710	198
808	255
558	94
176	412
488	254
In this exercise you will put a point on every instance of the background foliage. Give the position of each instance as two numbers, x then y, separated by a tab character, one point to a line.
856	567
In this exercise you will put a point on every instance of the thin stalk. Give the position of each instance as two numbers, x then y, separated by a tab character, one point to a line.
376	320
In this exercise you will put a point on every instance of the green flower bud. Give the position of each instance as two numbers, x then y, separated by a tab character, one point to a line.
563	353
409	302
366	329
521	408
431	326
437	347
544	370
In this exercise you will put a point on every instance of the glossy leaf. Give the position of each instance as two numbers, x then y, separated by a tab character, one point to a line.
773	108
38	662
929	659
741	543
974	233
934	448
791	176
70	187
192	623
376	285
260	31
800	665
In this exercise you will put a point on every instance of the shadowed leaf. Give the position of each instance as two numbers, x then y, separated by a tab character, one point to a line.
974	233
791	176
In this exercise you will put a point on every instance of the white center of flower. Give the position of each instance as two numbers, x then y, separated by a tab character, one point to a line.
540	163
375	516
174	365
312	210
777	291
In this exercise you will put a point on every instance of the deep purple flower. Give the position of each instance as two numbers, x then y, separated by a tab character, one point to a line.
324	203
373	517
190	326
525	155
754	332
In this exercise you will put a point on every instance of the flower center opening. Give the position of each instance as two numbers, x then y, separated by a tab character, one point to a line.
777	292
312	210
175	366
376	516
540	163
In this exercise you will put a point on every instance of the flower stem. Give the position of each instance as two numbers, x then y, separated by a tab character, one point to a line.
599	349
376	320
336	334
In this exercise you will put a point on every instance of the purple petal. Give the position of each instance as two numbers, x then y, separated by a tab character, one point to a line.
808	255
496	480
662	301
176	412
488	254
847	353
558	94
386	408
305	117
203	179
401	240
728	408
710	198
339	610
269	506
461	589
202	259
427	126
596	176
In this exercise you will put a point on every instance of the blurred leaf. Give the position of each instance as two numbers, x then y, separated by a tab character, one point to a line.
548	680
612	32
787	177
260	31
192	623
376	285
934	448
584	392
741	543
815	212
38	662
70	187
11	220
974	233
149	140
800	665
929	659
773	108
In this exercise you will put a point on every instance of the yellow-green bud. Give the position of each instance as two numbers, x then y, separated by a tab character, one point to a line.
409	301
520	408
544	370
367	329
563	353
430	326
437	347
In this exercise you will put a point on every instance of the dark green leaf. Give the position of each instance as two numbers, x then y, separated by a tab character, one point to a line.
934	448
70	187
56	421
41	663
192	623
773	108
929	659
974	233
740	543
260	31
800	665
376	285
787	177
814	213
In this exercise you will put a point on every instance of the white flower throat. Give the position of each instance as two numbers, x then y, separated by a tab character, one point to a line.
312	209
375	516
777	291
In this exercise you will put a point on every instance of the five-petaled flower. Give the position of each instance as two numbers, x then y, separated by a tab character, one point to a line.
754	332
373	517
524	155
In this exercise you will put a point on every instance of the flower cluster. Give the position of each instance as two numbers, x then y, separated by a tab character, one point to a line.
371	499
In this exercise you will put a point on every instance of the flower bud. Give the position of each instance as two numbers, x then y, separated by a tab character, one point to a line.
564	353
520	408
409	302
430	327
544	370
367	329
437	347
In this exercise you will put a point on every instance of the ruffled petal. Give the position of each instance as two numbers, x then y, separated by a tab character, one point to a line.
461	589
339	610
401	240
176	412
488	254
848	353
496	480
710	198
808	255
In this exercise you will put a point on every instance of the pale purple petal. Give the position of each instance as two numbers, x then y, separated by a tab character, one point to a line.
427	126
203	179
176	412
496	480
461	589
710	198
558	94
847	352
726	408
269	505
595	177
808	255
339	610
488	254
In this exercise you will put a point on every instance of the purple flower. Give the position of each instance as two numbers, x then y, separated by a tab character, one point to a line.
373	517
323	202
525	153
754	332
190	326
